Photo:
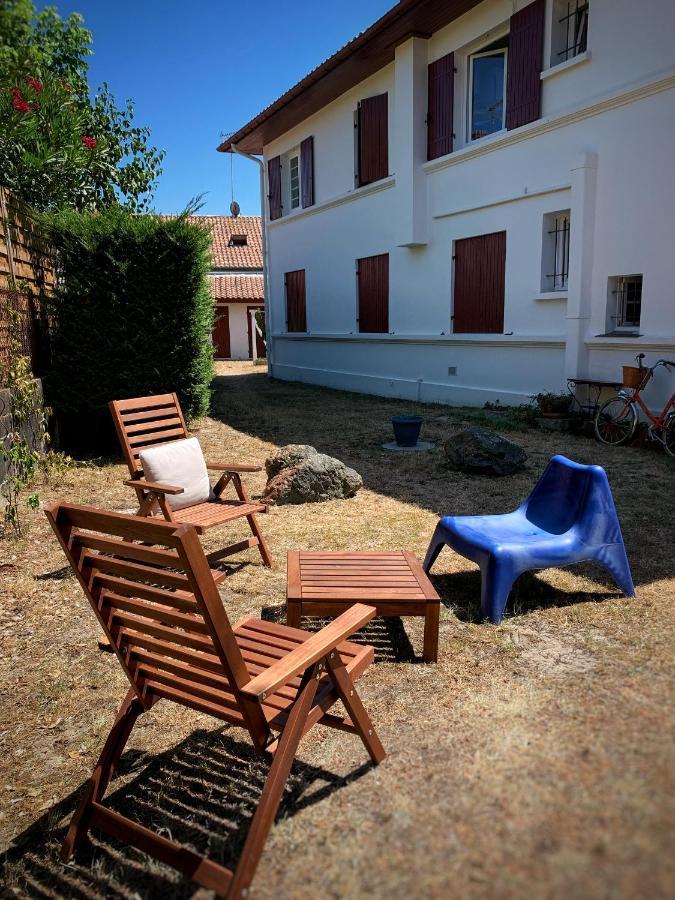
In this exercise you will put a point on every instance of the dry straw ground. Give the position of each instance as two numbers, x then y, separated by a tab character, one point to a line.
534	760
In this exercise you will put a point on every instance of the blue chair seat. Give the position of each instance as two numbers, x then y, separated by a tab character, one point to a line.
568	518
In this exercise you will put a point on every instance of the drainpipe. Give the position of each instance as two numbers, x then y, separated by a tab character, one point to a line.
268	303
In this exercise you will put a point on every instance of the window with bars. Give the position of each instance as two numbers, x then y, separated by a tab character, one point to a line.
556	251
626	300
569	29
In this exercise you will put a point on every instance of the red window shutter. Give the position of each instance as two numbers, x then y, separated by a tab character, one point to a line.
526	50
221	333
480	264
441	75
373	287
274	186
307	172
373	139
296	307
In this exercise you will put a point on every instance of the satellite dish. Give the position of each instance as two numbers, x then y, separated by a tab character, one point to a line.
235	209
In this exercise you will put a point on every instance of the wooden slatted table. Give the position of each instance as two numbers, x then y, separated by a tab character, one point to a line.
325	584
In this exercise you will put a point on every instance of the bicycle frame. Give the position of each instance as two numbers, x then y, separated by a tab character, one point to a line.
635	397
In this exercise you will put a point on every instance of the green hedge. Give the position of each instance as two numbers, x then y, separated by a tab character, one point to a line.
132	316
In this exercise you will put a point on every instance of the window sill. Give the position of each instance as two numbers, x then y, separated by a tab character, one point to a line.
565	66
547	296
347	197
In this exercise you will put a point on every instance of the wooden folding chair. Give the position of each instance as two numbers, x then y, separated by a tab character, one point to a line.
144	422
150	586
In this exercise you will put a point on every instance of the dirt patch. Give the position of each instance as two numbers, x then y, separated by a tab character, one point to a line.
534	759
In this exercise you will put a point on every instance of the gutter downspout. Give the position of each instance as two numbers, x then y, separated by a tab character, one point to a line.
266	291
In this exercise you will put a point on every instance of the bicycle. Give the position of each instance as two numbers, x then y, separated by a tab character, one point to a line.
616	420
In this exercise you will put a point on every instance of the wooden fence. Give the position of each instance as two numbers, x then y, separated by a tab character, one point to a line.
26	276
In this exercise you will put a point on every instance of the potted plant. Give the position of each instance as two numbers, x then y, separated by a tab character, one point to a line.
553	406
406	429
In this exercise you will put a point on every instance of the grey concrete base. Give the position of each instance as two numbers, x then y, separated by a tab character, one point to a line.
418	448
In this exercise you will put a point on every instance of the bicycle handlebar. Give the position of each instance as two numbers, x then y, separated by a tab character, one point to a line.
661	362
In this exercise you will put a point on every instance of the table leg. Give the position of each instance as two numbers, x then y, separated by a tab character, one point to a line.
293	613
431	617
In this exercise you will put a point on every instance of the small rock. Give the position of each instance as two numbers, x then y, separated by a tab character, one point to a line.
481	452
299	474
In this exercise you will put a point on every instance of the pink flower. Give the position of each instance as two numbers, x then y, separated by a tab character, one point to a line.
20	104
88	141
16	92
37	86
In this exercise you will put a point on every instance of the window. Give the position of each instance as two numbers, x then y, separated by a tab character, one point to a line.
625	293
296	304
556	251
371	121
294	181
238	240
480	264
569	29
372	276
487	90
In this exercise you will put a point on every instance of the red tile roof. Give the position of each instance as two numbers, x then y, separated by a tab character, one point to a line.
237	288
222	229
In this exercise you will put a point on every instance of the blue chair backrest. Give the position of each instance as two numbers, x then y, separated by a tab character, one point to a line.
569	493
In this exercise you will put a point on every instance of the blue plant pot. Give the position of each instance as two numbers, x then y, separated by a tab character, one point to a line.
407	429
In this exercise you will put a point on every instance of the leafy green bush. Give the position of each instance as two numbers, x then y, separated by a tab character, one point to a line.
132	315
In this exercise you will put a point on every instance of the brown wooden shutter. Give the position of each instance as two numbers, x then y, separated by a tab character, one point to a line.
479	284
221	333
274	186
373	139
373	287
526	50
296	305
307	171
441	75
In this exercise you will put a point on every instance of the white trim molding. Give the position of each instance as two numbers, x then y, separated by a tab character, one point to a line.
354	194
512	198
612	100
451	340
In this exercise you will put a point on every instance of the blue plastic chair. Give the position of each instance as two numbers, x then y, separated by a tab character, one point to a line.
568	518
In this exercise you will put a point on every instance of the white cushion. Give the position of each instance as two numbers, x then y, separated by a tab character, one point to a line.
180	464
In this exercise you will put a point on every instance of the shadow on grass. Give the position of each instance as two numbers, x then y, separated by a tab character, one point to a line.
354	426
460	592
385	633
202	793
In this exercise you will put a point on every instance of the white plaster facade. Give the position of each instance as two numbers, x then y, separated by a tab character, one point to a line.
603	148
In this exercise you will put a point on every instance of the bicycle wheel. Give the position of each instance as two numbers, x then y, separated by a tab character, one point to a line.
615	422
669	435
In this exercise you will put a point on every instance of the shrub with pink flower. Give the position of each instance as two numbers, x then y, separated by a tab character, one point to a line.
37	85
20	104
89	142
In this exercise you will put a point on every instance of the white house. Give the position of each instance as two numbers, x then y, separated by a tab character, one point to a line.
236	283
475	201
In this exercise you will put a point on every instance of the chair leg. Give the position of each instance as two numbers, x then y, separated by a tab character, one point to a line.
435	546
262	543
355	708
274	786
615	560
497	579
242	493
112	750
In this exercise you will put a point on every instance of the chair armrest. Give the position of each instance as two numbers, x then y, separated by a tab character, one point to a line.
232	467
152	486
313	649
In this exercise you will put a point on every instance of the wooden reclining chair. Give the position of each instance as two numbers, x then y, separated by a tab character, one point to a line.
151	589
144	422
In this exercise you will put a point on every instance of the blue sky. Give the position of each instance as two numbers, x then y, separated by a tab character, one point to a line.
199	69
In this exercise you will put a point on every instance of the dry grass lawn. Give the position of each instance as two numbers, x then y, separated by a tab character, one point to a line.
535	760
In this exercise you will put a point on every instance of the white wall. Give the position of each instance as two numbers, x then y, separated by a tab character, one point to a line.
603	148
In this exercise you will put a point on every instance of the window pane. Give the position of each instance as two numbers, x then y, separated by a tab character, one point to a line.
487	95
295	182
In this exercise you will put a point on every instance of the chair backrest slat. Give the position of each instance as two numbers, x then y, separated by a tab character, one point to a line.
153	592
143	422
